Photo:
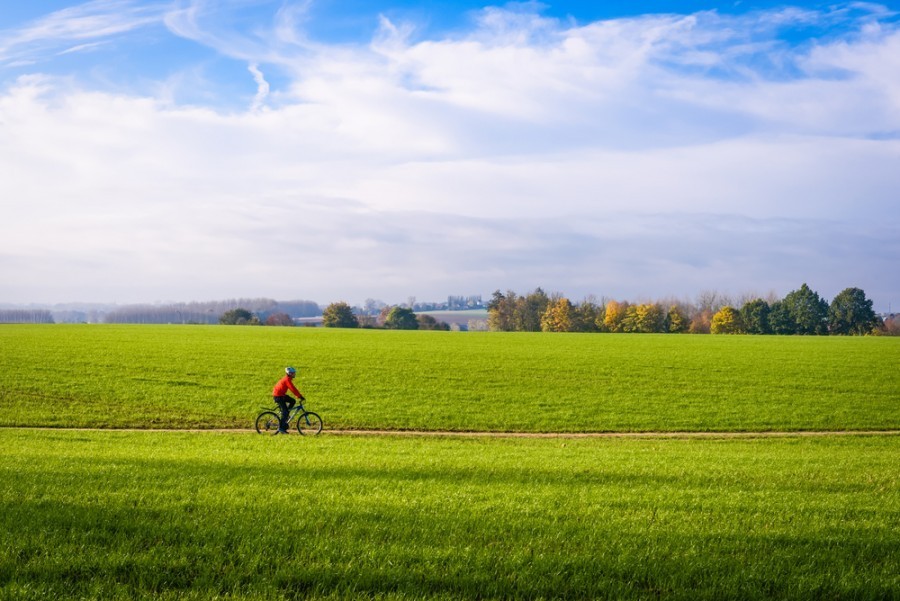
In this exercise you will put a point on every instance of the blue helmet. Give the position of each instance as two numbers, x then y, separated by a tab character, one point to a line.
290	371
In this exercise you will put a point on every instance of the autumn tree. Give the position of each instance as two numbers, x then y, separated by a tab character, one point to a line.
513	313
501	311
339	315
891	325
701	322
279	319
726	321
529	311
558	316
614	316
645	318
677	320
851	313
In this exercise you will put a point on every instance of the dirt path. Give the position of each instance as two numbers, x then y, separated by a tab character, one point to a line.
613	434
450	434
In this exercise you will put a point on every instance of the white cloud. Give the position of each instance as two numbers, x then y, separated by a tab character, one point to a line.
88	21
647	156
262	87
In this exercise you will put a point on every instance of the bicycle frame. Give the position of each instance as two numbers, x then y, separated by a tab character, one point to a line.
297	409
305	421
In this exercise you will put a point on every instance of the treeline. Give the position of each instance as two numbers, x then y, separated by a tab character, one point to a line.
212	312
801	311
391	317
26	316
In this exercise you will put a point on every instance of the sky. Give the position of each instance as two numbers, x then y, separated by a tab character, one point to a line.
180	150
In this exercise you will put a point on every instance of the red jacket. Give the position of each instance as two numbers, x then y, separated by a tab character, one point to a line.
283	385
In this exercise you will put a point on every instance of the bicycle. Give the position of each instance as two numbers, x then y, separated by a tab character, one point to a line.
306	422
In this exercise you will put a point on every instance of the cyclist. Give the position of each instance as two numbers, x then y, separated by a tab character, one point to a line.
283	399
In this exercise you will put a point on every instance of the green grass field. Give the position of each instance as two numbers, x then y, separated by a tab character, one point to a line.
213	376
160	515
105	514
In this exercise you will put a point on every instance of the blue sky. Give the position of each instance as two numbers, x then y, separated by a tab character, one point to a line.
194	150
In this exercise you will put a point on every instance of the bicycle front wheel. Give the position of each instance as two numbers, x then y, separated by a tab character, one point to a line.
309	423
267	422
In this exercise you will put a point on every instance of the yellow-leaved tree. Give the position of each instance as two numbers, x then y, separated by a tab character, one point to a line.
645	318
558	316
726	321
677	320
614	316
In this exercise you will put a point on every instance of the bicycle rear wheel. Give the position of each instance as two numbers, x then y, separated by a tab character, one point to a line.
267	422
309	423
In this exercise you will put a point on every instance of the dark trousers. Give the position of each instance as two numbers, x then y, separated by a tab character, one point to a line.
285	403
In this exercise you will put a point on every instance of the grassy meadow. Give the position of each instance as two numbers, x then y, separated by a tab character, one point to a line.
106	514
214	376
167	515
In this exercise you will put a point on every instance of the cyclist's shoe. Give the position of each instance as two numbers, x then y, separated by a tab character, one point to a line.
282	432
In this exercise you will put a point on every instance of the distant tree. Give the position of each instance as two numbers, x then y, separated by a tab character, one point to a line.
710	301
628	322
755	315
298	308
279	319
529	310
701	322
726	321
373	306
677	320
780	319
614	316
367	321
26	316
339	315
501	311
807	310
427	322
513	313
238	317
851	313
645	318
401	318
586	316
383	315
557	316
891	325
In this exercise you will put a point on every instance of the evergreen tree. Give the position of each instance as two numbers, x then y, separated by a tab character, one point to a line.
780	320
807	310
755	315
851	313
